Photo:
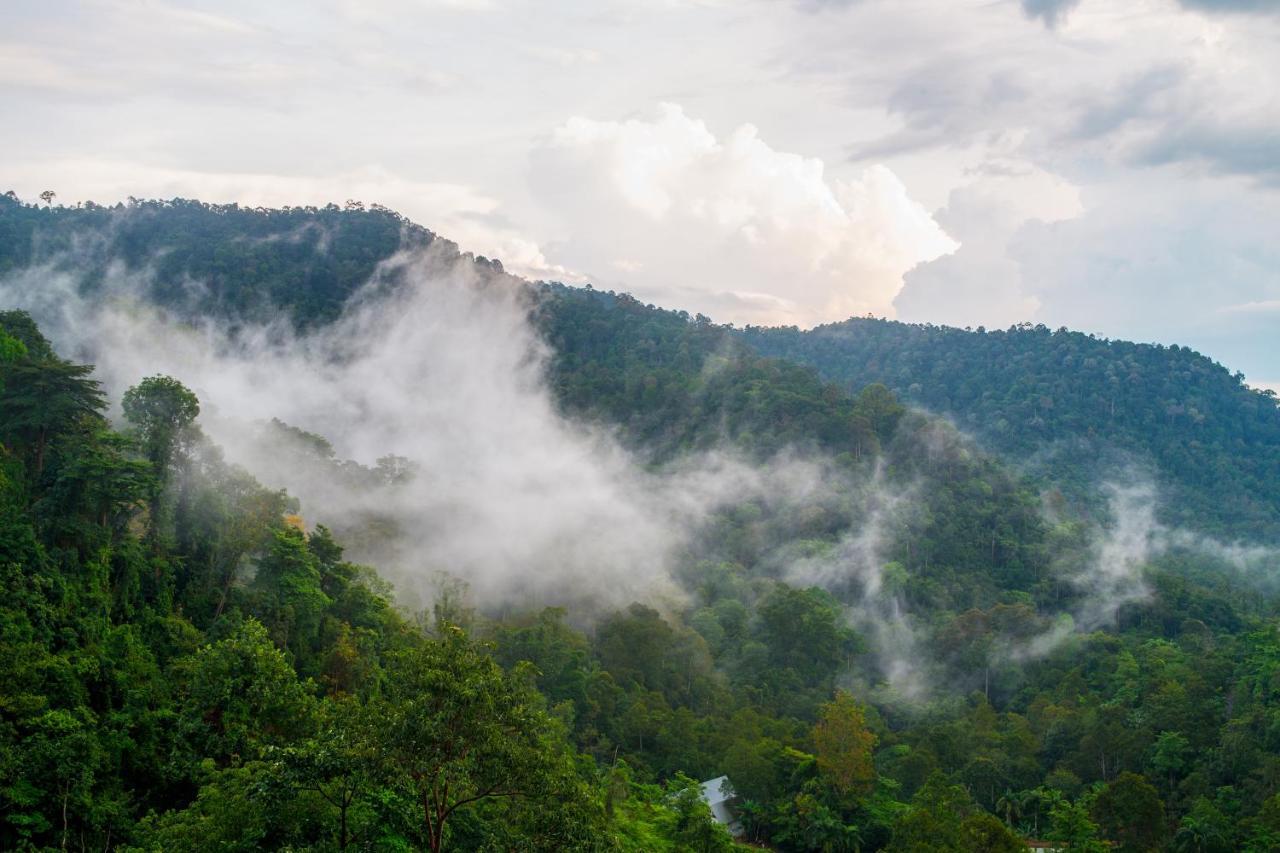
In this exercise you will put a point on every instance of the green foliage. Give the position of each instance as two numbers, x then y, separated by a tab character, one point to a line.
182	666
1081	403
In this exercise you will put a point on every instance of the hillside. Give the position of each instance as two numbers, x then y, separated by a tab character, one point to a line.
629	553
1071	403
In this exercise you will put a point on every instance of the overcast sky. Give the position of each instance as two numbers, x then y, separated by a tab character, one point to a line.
1109	165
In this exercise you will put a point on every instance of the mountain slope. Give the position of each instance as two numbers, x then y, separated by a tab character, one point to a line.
182	666
1075	403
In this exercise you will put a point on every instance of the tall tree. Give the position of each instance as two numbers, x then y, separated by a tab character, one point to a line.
844	745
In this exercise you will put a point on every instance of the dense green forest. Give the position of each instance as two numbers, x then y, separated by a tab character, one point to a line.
186	664
1070	399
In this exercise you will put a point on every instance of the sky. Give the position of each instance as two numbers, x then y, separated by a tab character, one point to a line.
1113	167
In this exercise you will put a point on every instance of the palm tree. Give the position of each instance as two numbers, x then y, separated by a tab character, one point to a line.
1197	835
1009	805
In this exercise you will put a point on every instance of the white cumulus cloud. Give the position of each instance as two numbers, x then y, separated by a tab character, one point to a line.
731	227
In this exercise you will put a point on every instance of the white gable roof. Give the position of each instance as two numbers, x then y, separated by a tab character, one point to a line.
717	790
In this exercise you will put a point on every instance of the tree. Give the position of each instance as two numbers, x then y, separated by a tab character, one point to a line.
1009	805
161	408
934	822
1198	835
42	397
1070	823
984	833
691	826
61	754
1130	811
1168	756
338	761
458	732
844	746
288	593
48	196
11	350
240	696
805	632
880	408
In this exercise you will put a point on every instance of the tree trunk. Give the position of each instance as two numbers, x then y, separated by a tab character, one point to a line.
432	841
42	440
342	824
66	794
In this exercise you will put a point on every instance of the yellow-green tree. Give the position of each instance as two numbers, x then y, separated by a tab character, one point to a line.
844	745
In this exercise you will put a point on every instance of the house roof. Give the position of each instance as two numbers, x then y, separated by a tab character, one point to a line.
717	790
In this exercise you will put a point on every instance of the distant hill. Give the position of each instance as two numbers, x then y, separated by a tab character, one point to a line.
1074	406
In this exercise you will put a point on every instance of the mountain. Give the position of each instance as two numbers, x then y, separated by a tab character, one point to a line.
631	550
1069	403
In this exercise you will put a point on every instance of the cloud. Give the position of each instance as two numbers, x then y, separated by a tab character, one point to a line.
1142	262
1120	87
980	284
1235	148
201	23
1177	91
1113	576
824	5
1050	11
28	67
1266	306
730	227
565	57
1248	6
1150	259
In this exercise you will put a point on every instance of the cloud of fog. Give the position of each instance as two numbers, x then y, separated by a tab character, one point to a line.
446	371
858	571
1111	577
1111	573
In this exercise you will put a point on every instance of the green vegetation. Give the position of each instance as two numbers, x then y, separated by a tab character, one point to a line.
183	667
1077	404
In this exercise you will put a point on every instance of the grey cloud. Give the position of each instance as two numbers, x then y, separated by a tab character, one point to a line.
1249	6
945	102
1249	150
1050	11
1131	99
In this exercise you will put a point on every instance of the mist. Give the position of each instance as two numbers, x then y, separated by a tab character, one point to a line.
1111	573
438	364
858	570
420	427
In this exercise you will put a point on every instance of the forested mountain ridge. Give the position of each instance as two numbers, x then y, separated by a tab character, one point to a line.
214	260
1065	404
1075	398
184	659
